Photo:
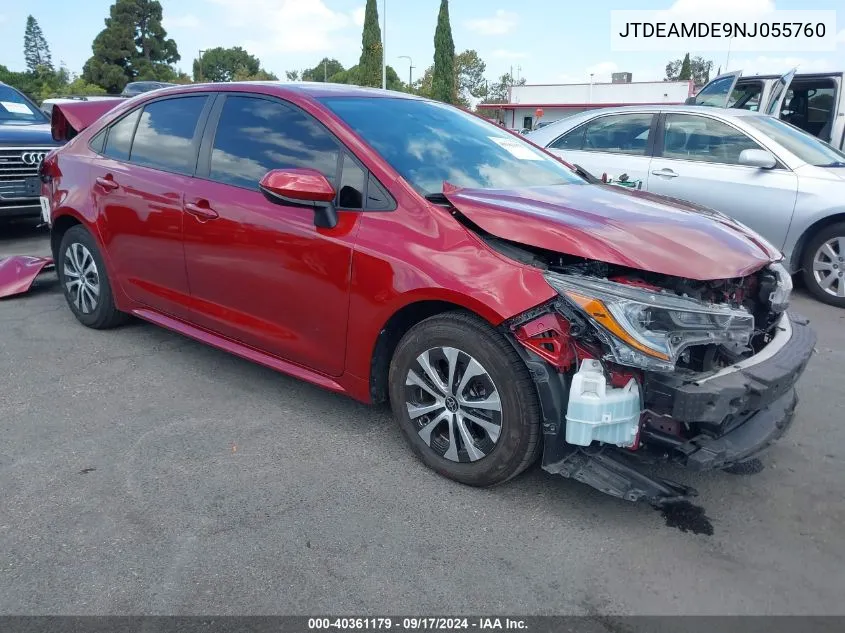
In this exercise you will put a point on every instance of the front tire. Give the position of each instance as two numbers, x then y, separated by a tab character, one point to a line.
824	265
465	400
84	281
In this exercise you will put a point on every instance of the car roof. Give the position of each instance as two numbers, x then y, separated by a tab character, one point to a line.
313	89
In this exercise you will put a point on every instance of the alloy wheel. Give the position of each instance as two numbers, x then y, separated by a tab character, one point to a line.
829	266
82	279
453	404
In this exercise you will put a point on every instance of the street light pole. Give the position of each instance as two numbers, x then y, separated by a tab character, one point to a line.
199	65
384	46
410	69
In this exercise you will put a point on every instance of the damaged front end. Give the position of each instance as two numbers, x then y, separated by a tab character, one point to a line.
634	367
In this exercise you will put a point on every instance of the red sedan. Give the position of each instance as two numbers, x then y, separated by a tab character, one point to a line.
398	249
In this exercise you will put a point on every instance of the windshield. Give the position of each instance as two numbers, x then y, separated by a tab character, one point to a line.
14	107
430	143
805	146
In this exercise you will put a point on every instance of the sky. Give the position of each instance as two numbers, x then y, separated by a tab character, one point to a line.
556	41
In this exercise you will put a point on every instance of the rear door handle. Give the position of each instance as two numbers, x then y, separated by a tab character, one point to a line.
107	183
201	210
664	172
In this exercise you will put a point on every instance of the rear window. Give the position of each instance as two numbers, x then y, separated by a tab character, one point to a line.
166	135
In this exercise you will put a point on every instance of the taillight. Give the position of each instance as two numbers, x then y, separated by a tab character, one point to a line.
48	168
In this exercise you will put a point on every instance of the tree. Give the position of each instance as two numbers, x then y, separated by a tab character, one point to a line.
469	76
243	74
698	70
222	64
327	68
443	80
292	75
498	93
352	76
133	46
369	66
35	48
686	69
422	86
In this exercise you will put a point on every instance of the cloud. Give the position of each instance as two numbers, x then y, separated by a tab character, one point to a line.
764	65
290	26
696	8
358	16
187	21
840	37
503	53
499	23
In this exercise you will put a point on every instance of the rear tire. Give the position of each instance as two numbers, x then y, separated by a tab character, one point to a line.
823	265
481	428
84	281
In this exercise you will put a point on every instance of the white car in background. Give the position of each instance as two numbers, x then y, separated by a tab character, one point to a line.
782	182
47	104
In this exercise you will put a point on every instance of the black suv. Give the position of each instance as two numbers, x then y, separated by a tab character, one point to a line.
25	139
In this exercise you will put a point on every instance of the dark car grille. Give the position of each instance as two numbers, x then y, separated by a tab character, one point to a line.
19	180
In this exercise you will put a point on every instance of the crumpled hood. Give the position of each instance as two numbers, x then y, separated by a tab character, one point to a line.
617	226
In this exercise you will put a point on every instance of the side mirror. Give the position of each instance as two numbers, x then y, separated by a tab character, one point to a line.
690	100
757	158
302	187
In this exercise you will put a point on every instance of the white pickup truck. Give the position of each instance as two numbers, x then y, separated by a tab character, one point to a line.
814	102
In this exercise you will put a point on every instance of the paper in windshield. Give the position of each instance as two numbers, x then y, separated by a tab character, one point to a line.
516	149
15	108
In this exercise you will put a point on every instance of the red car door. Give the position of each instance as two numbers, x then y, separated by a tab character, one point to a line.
147	159
261	273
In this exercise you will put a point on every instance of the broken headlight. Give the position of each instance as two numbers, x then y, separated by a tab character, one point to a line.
648	329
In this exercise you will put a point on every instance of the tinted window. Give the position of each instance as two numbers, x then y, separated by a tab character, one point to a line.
165	135
430	143
257	135
715	93
99	141
119	140
350	193
618	133
377	198
746	97
703	139
574	139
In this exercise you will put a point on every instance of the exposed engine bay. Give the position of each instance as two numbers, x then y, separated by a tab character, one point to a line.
645	369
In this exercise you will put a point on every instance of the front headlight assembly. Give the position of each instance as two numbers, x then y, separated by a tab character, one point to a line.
649	329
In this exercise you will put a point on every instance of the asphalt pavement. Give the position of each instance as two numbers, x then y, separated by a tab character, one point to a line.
144	473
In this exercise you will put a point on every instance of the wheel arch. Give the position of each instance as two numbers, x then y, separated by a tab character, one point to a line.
414	309
60	226
800	246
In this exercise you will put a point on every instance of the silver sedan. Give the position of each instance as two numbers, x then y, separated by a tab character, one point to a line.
782	182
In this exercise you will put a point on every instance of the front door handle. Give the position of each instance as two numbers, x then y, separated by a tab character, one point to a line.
201	210
107	182
664	172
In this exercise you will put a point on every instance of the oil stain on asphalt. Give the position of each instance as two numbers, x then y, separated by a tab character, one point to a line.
687	517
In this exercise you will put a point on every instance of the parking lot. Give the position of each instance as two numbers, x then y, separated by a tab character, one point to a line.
145	473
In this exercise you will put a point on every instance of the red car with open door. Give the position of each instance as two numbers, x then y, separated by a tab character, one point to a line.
398	249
